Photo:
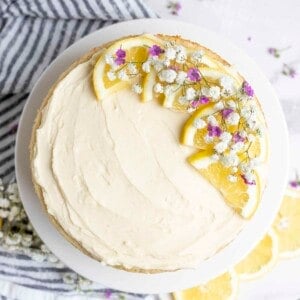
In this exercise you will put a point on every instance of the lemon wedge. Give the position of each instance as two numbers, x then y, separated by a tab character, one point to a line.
242	197
136	49
287	224
261	259
224	287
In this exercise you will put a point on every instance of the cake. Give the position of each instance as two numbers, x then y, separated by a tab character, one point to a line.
150	153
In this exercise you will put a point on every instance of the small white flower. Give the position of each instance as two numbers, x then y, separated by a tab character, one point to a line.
221	147
230	160
4	213
181	57
215	157
146	66
234	169
179	48
233	118
132	69
52	258
243	133
251	138
168	90
181	76
237	147
39	257
167	75
214	92
231	104
205	91
245	168
166	63
196	56
190	93
232	178
26	240
225	137
227	82
158	88
212	120
245	112
158	66
219	105
170	53
12	189
4	203
254	162
13	239
249	176
109	59
122	75
199	123
111	75
14	211
182	100
208	139
137	88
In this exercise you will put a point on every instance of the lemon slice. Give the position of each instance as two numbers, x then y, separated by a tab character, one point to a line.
224	287
287	224
136	51
261	259
243	198
148	84
190	135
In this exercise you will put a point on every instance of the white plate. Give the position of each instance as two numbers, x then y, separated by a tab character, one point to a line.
249	236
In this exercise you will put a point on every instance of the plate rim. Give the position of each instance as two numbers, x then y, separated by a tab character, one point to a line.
167	281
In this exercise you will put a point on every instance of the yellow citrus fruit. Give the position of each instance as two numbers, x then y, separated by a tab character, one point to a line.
190	135
136	49
261	259
223	287
243	198
287	224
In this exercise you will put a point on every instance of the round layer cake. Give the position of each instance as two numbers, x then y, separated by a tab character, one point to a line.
150	153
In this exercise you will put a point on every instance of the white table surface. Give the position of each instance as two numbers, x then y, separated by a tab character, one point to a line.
269	24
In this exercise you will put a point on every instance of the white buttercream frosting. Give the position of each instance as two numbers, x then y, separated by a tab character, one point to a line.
115	177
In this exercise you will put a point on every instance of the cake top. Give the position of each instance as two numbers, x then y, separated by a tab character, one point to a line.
149	154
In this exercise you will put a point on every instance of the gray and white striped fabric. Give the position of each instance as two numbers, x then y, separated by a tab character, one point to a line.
32	34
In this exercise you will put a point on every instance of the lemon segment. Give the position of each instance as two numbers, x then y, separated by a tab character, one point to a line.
136	51
261	259
148	84
190	135
223	287
287	225
242	197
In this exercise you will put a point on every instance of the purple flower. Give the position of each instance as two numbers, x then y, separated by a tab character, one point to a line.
274	52
226	112
247	89
289	71
197	102
108	294
120	57
193	74
214	130
155	50
294	184
249	38
236	137
246	181
174	7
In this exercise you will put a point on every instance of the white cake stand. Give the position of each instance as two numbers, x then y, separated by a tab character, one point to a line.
226	258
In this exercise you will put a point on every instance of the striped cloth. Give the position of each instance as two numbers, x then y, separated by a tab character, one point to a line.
32	34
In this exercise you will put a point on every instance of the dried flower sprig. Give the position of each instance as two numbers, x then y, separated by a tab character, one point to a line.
295	183
276	52
289	71
174	7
